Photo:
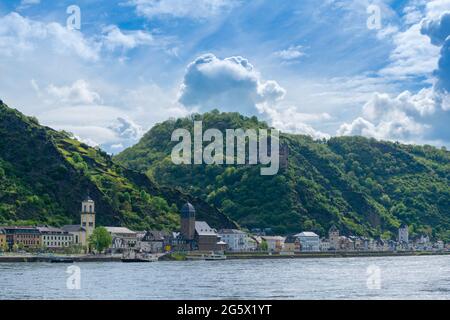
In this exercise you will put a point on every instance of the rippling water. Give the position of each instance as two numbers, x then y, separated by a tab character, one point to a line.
346	278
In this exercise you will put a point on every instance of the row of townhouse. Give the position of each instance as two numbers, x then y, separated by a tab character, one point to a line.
24	237
239	241
337	242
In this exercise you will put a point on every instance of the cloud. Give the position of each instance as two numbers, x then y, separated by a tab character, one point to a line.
413	56
435	8
409	118
195	9
79	93
19	35
127	129
292	53
289	119
28	3
439	32
231	84
422	117
114	38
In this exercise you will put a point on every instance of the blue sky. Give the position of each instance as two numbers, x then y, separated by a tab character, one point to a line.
311	67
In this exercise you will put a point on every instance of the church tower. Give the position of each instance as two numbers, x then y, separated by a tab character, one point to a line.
333	237
188	221
88	216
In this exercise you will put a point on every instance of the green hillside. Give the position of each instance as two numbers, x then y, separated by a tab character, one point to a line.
44	174
364	186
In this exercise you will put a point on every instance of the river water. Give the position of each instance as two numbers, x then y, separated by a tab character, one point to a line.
335	278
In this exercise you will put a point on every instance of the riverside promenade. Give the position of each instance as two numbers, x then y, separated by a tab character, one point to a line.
29	258
336	254
53	258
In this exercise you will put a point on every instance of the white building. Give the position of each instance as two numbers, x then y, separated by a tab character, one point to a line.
274	243
324	245
122	238
54	238
237	240
403	234
309	241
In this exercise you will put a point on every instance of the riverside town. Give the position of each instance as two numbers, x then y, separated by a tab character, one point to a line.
196	240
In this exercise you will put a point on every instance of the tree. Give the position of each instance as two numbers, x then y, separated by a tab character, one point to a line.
100	239
264	246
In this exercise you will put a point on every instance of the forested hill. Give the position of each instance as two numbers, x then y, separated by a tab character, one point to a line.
44	175
364	186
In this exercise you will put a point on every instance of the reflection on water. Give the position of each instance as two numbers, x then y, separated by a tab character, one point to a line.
400	278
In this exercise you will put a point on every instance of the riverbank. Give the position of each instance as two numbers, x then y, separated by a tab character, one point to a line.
230	256
49	259
337	254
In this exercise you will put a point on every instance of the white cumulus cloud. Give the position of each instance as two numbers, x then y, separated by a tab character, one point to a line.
114	38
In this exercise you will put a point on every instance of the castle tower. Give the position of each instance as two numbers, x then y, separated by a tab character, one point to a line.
88	216
333	237
403	234
188	221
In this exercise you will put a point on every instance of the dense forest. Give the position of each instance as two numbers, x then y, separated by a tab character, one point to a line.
44	175
364	186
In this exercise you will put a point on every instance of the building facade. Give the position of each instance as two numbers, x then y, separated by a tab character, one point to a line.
3	244
236	240
292	244
155	241
197	235
206	238
274	243
122	238
78	234
309	241
54	238
22	237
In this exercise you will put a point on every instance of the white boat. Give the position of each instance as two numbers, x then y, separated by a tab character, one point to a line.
134	257
206	256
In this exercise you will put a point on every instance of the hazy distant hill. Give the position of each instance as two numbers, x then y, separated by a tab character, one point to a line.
364	186
44	174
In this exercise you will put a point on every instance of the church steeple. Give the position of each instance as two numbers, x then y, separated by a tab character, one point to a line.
88	215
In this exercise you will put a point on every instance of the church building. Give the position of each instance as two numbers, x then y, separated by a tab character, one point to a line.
81	232
198	234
